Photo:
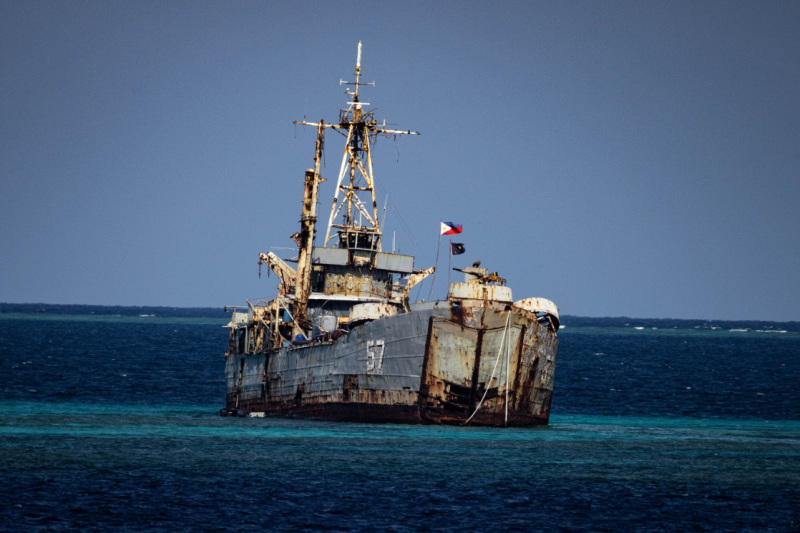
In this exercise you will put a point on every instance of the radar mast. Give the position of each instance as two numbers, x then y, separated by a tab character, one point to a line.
357	226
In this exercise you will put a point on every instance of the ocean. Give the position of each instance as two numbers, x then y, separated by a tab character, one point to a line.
109	423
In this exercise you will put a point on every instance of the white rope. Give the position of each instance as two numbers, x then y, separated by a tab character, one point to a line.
508	356
499	353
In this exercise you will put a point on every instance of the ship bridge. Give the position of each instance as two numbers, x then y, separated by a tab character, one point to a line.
341	277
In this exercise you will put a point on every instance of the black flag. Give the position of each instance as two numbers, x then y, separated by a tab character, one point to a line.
457	248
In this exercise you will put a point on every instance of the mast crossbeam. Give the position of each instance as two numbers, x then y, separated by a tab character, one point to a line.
361	127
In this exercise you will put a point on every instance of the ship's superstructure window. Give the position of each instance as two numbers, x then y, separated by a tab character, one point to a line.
357	240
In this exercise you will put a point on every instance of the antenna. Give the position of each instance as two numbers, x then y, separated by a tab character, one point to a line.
384	211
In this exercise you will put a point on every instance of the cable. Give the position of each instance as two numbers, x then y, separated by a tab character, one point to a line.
403	223
499	353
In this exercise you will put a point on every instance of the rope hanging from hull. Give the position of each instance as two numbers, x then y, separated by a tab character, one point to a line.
499	354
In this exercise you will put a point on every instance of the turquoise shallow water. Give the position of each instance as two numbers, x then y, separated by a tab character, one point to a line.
650	432
23	418
156	467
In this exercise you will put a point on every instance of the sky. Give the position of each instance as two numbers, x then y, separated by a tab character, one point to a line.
618	158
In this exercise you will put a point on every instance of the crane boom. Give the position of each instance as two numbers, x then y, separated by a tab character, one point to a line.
286	274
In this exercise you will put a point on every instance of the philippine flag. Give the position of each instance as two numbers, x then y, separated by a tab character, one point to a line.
448	228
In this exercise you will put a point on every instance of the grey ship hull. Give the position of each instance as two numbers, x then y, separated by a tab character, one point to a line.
434	365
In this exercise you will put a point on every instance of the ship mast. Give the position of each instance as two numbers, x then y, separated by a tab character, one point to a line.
305	238
361	126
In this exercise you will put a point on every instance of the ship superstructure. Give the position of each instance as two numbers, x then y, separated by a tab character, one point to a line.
341	341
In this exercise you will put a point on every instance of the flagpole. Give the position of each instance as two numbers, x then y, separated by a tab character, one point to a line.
449	258
438	245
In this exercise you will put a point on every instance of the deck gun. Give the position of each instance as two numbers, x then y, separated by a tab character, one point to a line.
484	279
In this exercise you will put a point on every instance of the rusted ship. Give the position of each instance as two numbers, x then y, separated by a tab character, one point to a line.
341	341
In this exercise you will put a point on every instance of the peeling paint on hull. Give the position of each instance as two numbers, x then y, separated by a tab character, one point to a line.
430	366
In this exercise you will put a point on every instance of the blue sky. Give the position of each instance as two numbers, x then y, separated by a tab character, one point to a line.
618	158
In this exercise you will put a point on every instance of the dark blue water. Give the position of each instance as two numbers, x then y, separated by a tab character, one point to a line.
110	424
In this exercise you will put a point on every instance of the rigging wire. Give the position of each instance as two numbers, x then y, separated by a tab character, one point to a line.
420	288
403	223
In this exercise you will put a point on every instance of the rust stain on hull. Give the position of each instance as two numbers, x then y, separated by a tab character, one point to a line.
459	365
